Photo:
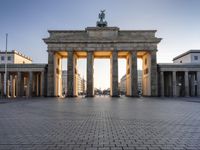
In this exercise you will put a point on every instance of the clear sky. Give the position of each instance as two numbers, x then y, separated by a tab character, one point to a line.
27	22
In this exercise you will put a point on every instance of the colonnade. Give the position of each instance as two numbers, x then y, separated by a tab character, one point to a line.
21	84
149	84
180	83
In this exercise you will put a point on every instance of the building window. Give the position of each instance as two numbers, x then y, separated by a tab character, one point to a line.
9	58
2	58
181	61
195	57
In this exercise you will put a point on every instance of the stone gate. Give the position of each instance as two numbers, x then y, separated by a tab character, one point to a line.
102	42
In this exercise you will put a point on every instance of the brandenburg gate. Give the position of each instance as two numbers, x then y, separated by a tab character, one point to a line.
102	42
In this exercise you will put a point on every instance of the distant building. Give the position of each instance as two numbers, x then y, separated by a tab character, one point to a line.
182	77
83	85
64	82
80	83
14	57
122	84
191	56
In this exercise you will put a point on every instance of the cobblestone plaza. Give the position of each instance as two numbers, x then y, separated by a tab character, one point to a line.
100	124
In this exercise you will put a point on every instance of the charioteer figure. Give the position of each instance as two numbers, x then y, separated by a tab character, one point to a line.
102	22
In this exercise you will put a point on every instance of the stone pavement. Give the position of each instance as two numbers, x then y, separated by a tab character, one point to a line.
100	124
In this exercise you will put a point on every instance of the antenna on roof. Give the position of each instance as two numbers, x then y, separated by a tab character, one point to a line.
5	77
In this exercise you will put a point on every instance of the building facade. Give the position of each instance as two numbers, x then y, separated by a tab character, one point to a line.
191	56
122	84
14	57
181	78
23	80
103	42
80	83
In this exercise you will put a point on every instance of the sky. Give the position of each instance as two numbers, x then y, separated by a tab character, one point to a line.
27	21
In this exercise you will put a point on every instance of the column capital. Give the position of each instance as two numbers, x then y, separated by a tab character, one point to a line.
174	72
90	52
153	52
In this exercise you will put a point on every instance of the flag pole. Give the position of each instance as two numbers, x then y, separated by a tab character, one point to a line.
5	81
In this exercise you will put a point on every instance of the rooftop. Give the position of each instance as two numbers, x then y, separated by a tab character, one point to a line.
18	53
186	53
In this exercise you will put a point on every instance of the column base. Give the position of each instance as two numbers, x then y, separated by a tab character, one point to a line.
114	96
132	96
150	96
71	96
89	96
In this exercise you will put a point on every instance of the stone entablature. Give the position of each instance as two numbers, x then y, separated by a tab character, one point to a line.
23	67
178	67
107	38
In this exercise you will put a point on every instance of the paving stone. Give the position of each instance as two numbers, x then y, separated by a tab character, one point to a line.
100	124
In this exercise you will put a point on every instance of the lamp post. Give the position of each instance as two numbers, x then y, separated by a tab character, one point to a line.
5	77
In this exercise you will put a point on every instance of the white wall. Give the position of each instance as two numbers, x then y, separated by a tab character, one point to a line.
184	59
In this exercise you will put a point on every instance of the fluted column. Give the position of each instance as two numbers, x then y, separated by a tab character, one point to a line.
154	80
19	76
174	83
162	83
51	75
193	84
11	86
7	84
1	84
36	82
14	86
114	91
90	71
30	85
132	75
42	82
71	79
198	83
186	84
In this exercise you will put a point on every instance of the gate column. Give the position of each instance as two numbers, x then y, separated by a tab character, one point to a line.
30	84
51	76
198	83
132	75
186	79
90	71
154	80
114	91
71	75
174	83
